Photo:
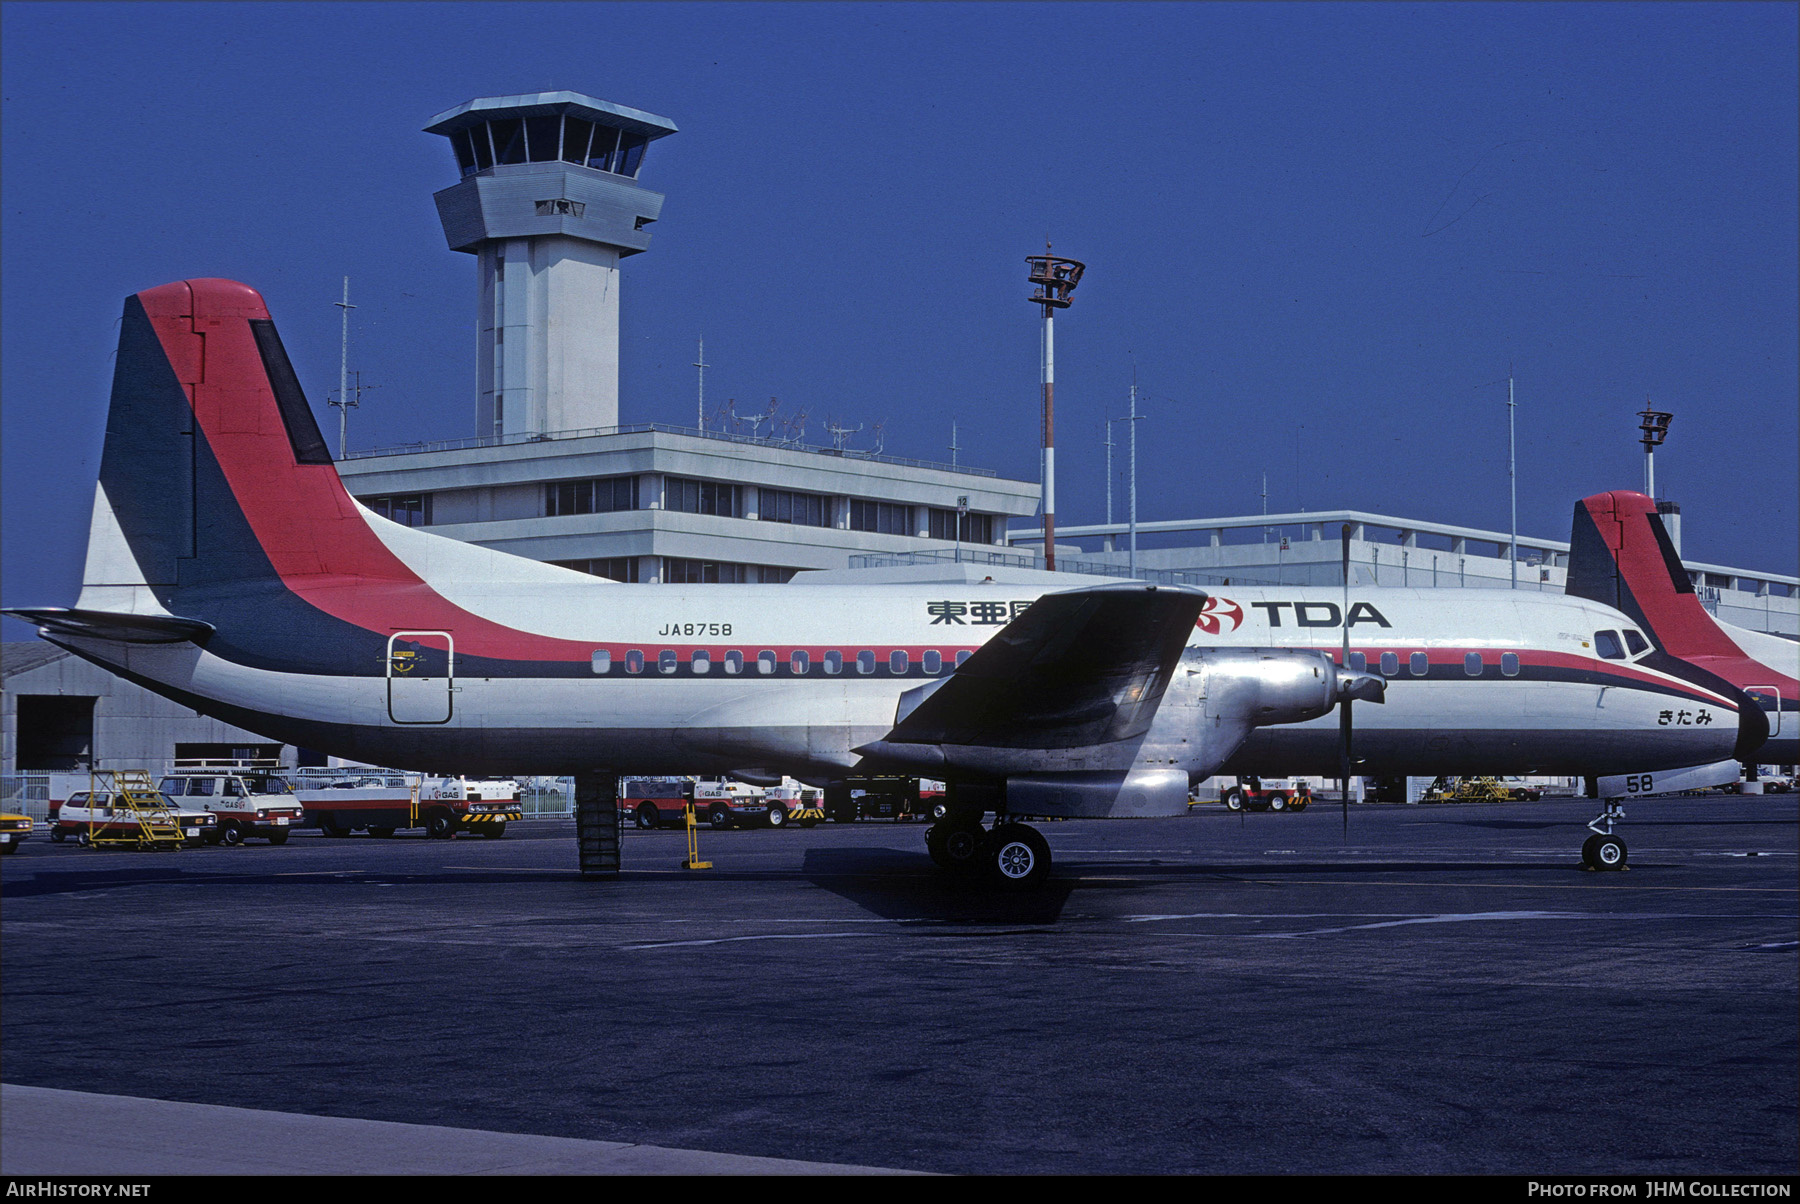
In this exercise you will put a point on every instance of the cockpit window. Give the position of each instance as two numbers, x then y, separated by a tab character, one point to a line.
1637	643
1607	644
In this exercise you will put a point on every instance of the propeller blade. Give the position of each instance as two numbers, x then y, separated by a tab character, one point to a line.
1344	727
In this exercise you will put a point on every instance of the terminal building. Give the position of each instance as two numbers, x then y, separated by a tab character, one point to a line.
548	201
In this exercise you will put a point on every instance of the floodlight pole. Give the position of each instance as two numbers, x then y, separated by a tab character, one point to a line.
343	403
1055	278
1655	425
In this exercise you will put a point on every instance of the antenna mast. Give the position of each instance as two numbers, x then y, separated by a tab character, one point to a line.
700	363
343	403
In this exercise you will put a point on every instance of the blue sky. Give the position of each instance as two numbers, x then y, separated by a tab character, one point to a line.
1318	233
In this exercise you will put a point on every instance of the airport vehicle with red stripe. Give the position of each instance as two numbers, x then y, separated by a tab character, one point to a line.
249	798
229	569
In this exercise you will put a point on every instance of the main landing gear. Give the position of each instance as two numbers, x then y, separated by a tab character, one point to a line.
1012	854
1604	850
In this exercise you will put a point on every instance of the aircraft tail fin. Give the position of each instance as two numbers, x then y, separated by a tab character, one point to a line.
1620	555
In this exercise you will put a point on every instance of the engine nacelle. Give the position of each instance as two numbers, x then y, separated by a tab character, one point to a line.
1215	699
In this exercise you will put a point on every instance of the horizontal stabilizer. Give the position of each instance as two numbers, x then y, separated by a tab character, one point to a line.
116	626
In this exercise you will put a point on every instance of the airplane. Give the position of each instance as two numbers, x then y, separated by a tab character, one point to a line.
229	569
1621	556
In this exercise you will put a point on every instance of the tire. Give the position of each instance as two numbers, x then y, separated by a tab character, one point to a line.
278	837
328	825
230	833
8	848
58	835
494	831
718	816
440	826
1278	801
1298	802
778	816
939	810
955	844
1233	799
1603	853
85	841
211	838
1016	857
647	817
381	833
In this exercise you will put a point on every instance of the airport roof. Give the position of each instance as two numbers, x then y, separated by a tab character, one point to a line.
546	104
23	655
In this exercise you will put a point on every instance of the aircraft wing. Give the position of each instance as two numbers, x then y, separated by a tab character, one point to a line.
1077	670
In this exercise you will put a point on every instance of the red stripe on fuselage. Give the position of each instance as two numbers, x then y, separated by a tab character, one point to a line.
306	522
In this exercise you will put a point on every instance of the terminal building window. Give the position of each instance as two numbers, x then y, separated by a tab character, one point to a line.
601	495
806	509
884	518
613	568
704	497
976	528
407	509
680	571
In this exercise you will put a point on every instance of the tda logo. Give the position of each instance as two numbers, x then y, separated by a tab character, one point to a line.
1219	614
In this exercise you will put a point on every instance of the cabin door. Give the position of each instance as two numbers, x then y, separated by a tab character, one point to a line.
1769	699
421	672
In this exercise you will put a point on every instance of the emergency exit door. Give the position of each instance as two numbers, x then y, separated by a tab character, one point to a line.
421	676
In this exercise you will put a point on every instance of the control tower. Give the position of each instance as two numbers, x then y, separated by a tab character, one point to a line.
548	203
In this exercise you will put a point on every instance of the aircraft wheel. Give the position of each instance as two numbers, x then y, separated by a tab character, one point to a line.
646	816
1603	853
955	844
1017	856
1233	799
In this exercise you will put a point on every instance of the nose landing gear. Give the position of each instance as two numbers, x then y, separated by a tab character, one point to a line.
1604	850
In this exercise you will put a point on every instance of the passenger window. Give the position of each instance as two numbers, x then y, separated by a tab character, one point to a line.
701	663
1636	642
865	661
602	661
1509	663
834	663
734	662
1472	664
962	656
800	662
1390	664
1359	662
765	662
1419	663
934	661
665	661
897	660
634	661
1607	644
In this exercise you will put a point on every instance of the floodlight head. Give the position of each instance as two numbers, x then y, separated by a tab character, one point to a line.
1055	277
1655	426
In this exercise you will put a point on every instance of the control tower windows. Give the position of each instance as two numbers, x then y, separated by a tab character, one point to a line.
465	151
631	153
576	136
543	138
882	517
600	154
509	140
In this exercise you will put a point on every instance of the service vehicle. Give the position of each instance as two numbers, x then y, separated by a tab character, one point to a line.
102	817
791	802
730	804
384	803
14	829
250	797
1267	794
653	802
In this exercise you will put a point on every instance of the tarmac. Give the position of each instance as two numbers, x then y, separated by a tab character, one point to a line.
53	1133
